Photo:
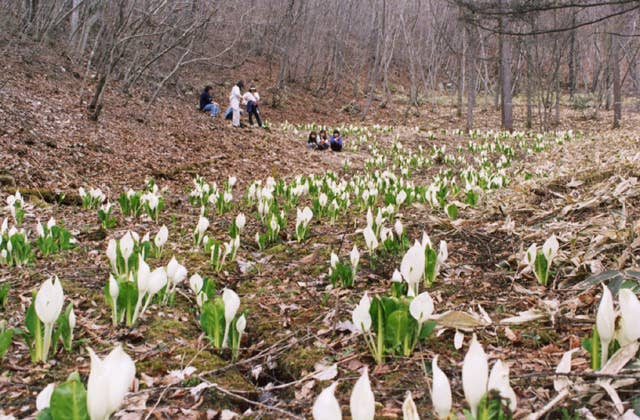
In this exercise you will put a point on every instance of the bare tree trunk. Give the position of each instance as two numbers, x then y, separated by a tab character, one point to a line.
529	123
505	74
617	88
461	70
572	59
377	60
471	75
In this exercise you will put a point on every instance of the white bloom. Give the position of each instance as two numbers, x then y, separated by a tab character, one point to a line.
362	402
240	221
354	256
409	409
421	307
398	228
203	225
606	322
440	391
109	381
231	305
401	197
322	199
40	229
126	245
499	380
360	315
44	397
196	283
326	407
161	237
412	267
143	277
49	300
458	340
114	290
475	372
112	254
370	239
72	320
241	324
334	260
630	313
176	272
156	281
550	249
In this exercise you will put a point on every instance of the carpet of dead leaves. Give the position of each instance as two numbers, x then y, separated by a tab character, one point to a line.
585	191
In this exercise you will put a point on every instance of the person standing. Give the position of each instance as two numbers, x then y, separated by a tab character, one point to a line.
234	102
206	102
251	99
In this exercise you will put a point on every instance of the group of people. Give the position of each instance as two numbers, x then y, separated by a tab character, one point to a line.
319	141
250	99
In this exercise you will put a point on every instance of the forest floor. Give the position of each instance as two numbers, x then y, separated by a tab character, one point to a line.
584	190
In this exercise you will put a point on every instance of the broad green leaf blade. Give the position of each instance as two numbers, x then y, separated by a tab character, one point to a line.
69	401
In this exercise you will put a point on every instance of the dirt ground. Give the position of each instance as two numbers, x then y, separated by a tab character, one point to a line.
49	148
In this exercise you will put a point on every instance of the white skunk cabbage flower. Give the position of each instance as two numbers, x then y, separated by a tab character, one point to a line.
112	254
421	307
241	220
326	407
44	397
362	402
161	237
196	283
440	391
370	239
499	380
409	409
606	322
475	373
412	267
354	256
630	313
109	381
231	305
360	315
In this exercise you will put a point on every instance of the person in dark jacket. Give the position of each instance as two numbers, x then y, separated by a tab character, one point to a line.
336	141
206	102
312	141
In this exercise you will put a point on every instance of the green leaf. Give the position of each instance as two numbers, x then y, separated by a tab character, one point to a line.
427	329
4	294
69	401
541	267
431	259
212	321
34	326
592	345
396	328
6	337
64	329
44	414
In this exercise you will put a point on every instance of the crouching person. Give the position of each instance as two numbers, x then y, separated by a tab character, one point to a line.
336	141
206	102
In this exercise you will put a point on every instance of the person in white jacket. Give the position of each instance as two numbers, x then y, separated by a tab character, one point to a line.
234	102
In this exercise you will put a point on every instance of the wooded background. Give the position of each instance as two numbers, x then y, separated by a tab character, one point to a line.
536	51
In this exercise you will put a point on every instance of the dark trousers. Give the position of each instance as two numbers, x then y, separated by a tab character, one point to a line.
252	109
